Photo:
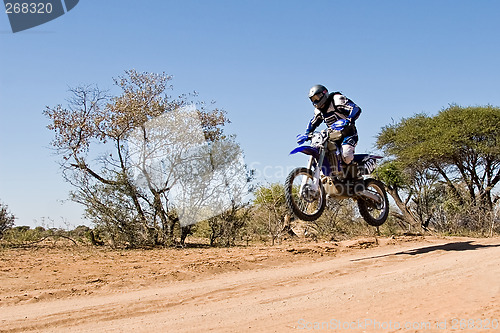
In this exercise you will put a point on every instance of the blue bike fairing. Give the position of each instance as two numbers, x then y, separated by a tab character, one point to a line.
314	152
308	150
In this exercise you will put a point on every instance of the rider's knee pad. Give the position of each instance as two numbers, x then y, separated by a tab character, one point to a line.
347	153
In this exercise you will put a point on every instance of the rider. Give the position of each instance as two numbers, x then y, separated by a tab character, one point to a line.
330	108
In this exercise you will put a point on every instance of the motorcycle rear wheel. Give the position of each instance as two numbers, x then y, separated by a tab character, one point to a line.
305	202
375	214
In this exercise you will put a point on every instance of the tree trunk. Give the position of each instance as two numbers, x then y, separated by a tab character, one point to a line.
405	210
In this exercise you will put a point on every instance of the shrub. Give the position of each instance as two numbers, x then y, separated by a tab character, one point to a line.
6	219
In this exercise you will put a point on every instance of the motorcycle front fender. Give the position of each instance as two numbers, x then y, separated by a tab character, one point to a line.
308	150
314	152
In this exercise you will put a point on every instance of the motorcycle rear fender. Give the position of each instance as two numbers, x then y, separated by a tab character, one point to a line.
366	162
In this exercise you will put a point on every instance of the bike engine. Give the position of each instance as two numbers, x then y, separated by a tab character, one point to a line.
334	187
341	188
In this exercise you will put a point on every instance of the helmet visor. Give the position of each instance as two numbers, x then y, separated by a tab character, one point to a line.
316	98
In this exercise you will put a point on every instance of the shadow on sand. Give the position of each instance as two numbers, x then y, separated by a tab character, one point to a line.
457	246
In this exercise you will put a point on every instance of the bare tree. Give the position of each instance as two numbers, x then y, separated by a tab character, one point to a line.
126	154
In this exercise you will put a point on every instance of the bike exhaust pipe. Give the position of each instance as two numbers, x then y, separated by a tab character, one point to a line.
370	196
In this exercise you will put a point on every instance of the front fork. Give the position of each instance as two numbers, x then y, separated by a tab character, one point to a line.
317	171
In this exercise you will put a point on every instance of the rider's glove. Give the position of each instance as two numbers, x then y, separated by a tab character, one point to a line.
301	138
348	122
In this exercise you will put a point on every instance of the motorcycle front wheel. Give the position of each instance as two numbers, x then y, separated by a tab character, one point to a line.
304	198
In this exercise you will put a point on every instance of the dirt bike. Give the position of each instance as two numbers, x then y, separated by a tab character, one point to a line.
326	177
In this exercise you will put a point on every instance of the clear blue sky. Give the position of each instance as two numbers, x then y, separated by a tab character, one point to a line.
257	59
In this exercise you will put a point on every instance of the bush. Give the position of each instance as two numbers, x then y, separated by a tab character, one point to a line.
226	227
6	219
21	235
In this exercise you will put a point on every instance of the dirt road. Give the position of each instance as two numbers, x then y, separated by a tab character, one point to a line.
401	285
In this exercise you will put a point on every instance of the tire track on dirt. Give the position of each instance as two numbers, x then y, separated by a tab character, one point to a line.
409	282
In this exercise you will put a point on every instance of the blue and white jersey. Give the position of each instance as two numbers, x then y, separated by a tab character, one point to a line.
338	107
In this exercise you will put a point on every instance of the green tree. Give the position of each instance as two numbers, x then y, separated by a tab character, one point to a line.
398	185
272	209
460	145
416	191
6	219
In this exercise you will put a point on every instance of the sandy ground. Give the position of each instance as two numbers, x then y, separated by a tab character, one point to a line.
392	285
